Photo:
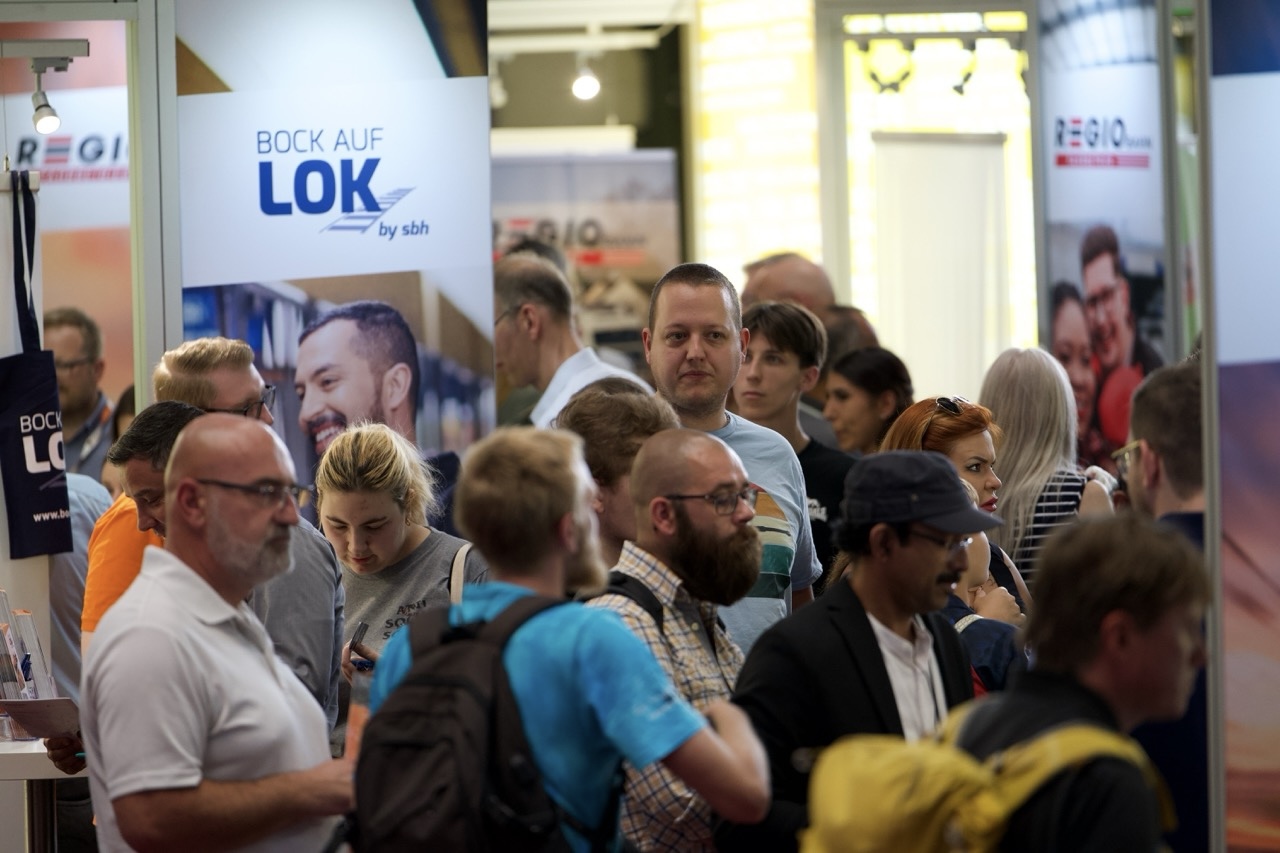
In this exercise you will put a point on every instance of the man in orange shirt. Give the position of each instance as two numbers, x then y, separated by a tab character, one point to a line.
302	609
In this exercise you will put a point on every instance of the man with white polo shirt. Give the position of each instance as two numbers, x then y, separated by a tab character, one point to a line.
195	731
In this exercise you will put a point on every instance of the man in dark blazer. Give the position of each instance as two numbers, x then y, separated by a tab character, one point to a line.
871	656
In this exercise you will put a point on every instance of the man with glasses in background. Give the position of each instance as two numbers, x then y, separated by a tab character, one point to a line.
196	732
694	551
1163	469
873	655
303	608
535	335
1122	357
76	343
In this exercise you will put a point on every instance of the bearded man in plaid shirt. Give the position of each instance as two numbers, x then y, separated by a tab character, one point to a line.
693	551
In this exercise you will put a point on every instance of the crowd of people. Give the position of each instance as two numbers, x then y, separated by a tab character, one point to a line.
765	546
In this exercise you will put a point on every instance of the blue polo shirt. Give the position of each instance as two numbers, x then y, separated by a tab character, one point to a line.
589	693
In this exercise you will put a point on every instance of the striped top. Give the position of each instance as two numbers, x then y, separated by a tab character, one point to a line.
1058	504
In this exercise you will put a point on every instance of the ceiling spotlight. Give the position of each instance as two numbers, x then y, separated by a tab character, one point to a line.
587	84
46	117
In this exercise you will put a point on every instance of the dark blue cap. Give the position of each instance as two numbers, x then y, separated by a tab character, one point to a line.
910	485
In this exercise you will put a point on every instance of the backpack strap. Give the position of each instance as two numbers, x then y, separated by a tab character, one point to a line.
629	586
426	631
1071	745
601	838
431	628
499	629
1074	745
457	575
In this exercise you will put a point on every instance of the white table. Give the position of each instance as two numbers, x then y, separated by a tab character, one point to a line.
25	761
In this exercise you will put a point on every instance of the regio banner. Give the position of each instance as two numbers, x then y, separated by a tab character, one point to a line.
1102	304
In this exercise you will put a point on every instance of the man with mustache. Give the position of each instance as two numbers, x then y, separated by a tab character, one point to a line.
589	693
196	733
358	362
694	549
873	655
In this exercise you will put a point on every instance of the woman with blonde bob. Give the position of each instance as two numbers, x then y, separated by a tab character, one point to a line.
1029	393
966	434
373	495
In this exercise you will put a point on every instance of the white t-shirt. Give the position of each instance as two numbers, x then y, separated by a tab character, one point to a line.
180	686
575	373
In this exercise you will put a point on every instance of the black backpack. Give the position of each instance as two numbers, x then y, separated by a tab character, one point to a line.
445	765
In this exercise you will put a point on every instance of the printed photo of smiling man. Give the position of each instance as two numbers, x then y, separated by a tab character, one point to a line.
356	363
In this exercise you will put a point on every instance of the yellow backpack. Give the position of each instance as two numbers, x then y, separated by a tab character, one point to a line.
880	794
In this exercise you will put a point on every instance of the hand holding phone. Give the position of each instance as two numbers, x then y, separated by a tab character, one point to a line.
356	655
358	637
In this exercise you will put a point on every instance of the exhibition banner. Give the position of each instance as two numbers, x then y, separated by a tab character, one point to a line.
1102	306
1244	135
306	183
335	212
611	214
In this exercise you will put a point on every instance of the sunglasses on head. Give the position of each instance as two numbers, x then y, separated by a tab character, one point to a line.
950	405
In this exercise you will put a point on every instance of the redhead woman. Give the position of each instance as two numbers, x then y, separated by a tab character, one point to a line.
1029	394
866	390
373	494
965	433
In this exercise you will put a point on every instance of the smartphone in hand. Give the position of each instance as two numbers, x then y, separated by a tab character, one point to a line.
358	647
358	637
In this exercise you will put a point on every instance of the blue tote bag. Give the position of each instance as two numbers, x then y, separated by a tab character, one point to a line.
31	461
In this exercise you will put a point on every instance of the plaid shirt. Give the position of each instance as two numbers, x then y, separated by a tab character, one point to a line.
660	812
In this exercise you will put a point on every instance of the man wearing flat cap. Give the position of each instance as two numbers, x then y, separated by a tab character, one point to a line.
872	656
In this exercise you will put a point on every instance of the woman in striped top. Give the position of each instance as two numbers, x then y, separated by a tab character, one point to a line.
1030	396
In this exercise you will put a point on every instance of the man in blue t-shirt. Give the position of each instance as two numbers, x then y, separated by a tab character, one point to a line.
694	343
589	691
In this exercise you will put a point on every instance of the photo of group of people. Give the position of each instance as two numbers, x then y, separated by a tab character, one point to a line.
1094	330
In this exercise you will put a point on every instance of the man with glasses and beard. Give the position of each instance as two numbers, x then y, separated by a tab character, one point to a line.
196	733
873	655
694	550
589	692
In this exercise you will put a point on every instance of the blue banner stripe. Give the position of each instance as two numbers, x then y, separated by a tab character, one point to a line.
1246	36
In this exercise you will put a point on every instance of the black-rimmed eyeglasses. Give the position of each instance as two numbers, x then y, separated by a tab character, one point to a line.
268	494
254	409
724	502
